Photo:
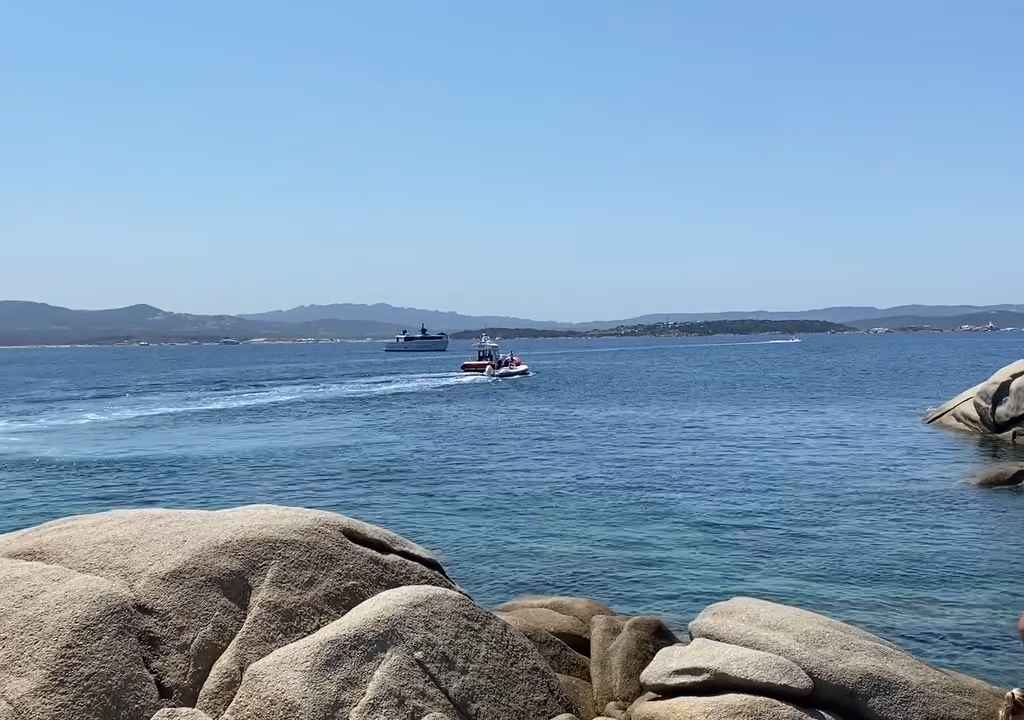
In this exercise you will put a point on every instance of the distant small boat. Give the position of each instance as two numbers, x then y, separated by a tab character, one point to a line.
230	341
424	342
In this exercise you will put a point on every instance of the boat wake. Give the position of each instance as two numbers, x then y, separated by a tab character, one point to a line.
173	403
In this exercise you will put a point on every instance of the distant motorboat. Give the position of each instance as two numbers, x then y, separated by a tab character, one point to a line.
230	341
424	342
490	362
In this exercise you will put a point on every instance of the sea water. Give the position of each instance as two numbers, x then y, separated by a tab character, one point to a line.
658	475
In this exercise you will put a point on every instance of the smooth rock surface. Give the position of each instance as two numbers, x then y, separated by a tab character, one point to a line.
993	407
580	694
733	706
69	647
620	650
560	657
581	608
855	672
404	653
209	593
708	666
570	630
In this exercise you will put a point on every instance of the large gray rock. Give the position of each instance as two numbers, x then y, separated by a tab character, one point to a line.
706	666
69	647
204	594
993	407
560	657
854	672
570	630
403	654
620	650
581	608
723	707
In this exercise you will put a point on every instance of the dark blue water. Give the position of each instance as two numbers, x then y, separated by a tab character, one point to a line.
658	475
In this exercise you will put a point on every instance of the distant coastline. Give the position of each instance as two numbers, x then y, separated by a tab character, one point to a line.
673	329
24	323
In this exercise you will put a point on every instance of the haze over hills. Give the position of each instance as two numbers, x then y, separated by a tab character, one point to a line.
404	316
32	323
453	321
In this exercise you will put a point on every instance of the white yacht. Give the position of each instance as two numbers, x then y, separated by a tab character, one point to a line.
424	342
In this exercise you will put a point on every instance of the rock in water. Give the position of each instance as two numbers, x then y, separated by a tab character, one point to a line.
560	657
202	595
69	647
583	609
857	673
570	630
403	654
706	666
620	650
993	407
722	707
1008	475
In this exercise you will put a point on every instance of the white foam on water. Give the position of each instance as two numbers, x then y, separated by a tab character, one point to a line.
187	402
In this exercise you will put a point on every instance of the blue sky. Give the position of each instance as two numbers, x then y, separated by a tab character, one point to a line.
569	160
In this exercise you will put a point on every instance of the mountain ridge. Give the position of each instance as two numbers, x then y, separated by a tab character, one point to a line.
25	322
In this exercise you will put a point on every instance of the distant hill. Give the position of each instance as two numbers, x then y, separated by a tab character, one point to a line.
841	314
31	323
744	326
437	320
453	322
1002	318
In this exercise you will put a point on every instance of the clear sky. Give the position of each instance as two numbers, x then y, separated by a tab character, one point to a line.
569	160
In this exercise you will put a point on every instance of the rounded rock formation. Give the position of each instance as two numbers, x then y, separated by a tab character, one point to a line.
994	407
182	601
406	652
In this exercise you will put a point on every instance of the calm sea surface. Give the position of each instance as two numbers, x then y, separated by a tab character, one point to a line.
658	475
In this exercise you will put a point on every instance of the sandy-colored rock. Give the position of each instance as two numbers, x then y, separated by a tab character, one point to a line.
404	653
1000	404
616	709
580	694
706	666
209	593
733	706
1020	626
993	407
560	657
69	647
855	672
620	650
570	630
580	608
1006	475
181	714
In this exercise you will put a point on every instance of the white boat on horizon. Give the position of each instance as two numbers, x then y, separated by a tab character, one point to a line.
424	342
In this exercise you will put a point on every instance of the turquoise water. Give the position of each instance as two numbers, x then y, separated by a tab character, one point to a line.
658	475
